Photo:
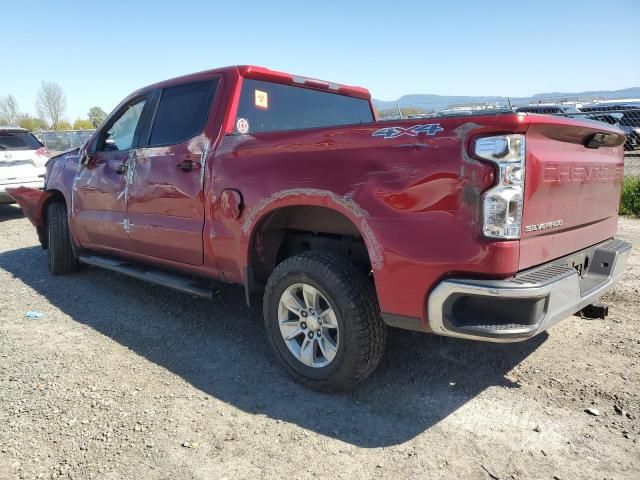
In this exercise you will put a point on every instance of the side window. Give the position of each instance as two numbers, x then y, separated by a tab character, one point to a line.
270	107
182	112
121	134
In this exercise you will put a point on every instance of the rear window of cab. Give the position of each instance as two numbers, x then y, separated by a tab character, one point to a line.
273	107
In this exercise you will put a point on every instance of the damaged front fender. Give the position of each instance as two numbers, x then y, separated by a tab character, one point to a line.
31	201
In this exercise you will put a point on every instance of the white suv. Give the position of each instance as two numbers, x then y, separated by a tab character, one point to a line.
22	159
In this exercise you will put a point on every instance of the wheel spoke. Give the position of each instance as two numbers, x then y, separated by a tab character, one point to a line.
306	352
290	330
327	347
329	318
311	296
292	302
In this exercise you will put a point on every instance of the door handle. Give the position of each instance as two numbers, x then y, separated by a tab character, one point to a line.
122	168
188	166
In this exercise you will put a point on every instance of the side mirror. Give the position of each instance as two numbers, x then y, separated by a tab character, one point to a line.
110	145
87	154
84	157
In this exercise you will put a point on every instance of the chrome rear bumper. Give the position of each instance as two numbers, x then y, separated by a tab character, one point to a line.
518	308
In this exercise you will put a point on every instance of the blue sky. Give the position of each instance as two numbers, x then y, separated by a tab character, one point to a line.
101	51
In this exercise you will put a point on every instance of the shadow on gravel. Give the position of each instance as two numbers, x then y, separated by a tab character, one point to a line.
10	212
220	348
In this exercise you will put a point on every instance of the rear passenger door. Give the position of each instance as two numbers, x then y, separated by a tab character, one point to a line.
166	190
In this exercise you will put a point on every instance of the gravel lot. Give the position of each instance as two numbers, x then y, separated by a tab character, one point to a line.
123	380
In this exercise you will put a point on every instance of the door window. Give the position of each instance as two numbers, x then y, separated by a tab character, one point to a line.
120	136
182	112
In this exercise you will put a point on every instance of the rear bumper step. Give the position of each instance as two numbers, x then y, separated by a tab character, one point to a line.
520	307
177	282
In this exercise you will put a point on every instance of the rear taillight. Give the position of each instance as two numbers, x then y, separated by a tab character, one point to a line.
502	205
42	155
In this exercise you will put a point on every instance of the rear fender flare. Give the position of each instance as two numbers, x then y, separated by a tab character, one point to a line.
314	197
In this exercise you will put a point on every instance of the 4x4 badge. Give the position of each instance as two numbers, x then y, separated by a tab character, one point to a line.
394	132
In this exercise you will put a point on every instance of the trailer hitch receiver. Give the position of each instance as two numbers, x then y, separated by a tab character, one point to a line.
594	311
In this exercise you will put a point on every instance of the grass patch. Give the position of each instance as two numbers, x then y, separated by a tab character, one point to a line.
630	201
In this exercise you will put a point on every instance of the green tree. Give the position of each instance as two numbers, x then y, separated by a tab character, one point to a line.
82	124
9	109
63	125
51	102
97	116
31	123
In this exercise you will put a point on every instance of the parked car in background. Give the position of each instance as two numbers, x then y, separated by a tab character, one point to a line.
22	160
624	116
548	109
628	114
458	112
58	141
290	186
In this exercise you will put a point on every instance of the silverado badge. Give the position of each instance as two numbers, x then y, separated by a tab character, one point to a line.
543	226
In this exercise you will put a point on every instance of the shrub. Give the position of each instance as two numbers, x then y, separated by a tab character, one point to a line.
630	201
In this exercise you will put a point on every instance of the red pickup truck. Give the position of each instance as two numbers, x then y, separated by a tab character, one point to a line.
488	227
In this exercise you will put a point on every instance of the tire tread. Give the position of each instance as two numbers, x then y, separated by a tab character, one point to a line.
62	259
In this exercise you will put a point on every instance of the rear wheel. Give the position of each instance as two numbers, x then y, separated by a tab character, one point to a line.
323	320
60	254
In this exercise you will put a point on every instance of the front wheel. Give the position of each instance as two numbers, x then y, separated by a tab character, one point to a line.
323	320
60	254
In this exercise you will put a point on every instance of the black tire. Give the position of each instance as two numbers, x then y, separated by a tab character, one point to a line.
60	254
352	296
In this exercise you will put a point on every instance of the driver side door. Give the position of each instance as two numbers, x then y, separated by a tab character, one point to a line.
100	187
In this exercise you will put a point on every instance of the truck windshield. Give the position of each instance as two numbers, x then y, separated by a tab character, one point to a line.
270	107
18	141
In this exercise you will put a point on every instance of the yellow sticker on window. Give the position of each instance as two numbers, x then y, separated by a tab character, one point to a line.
261	99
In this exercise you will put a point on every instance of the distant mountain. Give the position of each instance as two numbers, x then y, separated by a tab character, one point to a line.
441	102
633	92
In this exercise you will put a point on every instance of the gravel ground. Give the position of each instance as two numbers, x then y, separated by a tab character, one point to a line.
123	380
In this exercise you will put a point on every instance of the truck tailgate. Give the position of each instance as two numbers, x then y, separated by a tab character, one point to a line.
573	178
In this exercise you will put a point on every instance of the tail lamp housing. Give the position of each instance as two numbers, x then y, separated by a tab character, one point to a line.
42	155
502	203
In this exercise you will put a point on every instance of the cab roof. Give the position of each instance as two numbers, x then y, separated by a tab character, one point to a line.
266	74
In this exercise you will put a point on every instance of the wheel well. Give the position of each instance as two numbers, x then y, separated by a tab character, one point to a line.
292	230
56	196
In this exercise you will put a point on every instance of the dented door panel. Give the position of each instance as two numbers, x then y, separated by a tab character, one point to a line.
166	204
99	202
